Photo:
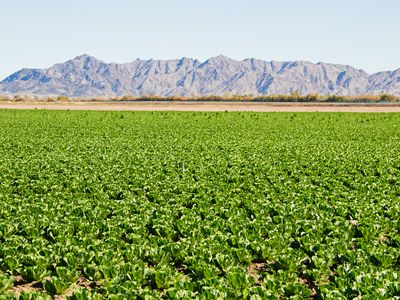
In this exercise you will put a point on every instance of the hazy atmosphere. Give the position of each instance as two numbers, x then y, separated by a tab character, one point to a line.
37	34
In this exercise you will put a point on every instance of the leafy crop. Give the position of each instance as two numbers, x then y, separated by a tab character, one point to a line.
150	205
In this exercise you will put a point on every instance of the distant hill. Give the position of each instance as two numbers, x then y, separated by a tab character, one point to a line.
86	76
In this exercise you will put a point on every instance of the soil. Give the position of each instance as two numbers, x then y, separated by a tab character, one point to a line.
206	106
254	269
22	286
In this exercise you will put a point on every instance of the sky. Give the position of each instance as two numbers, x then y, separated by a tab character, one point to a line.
40	33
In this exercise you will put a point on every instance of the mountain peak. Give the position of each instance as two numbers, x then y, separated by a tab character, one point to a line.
86	76
220	57
85	57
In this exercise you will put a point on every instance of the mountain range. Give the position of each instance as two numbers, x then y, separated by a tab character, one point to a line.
86	76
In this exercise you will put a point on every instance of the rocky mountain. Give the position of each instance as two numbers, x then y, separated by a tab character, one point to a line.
86	76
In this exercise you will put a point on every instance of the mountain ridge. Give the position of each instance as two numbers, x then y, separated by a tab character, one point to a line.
87	76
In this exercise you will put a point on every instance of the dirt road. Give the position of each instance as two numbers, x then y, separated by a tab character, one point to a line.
205	106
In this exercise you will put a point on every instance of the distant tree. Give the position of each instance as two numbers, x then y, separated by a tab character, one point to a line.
335	98
311	98
127	98
387	97
62	98
295	95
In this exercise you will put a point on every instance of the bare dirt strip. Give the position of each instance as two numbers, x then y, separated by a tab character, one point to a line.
206	106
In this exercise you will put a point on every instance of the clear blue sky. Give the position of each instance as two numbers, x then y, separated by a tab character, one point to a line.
362	33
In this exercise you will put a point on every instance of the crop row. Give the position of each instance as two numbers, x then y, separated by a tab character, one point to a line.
154	205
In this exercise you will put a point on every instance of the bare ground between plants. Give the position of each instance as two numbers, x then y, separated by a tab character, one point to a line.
20	285
207	106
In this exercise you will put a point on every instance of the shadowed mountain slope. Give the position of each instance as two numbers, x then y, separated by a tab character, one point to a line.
86	76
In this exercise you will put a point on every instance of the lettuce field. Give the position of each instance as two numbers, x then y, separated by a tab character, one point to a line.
182	205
